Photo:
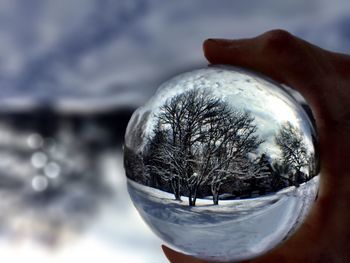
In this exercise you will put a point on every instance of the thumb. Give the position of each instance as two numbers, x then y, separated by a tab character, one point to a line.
175	257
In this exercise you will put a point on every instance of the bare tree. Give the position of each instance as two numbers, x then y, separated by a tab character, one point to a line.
229	158
294	151
185	117
163	162
205	137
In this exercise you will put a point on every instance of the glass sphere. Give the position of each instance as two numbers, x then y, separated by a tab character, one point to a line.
222	163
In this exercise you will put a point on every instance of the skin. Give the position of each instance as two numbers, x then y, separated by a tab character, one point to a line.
323	78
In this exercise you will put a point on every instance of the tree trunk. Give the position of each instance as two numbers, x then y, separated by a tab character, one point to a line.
194	200
175	185
191	198
178	193
177	196
178	189
216	198
190	201
215	192
195	195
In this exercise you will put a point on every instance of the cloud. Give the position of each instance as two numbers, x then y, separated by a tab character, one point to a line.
270	106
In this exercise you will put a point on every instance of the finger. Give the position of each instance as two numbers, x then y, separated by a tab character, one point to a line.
276	53
175	257
281	56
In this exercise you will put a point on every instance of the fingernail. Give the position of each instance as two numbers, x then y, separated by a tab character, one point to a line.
219	42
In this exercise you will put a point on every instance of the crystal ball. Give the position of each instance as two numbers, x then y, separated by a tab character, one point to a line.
222	163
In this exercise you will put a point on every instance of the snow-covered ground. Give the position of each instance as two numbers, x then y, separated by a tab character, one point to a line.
233	230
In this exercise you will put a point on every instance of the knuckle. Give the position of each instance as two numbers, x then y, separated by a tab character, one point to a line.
277	41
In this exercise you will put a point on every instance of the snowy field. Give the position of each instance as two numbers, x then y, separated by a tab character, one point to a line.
233	230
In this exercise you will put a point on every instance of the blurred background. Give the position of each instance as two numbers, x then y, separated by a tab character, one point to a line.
71	74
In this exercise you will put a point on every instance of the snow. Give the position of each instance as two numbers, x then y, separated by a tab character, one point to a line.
233	230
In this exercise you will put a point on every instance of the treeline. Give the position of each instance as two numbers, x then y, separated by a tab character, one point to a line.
202	147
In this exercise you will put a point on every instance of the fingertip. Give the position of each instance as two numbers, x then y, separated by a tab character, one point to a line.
166	250
217	42
175	257
213	46
208	45
169	253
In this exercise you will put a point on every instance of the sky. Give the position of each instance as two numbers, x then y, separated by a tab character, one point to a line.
67	51
270	105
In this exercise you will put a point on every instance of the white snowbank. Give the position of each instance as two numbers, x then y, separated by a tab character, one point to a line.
232	230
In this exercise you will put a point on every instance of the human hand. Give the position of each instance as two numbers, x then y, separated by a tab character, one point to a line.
323	78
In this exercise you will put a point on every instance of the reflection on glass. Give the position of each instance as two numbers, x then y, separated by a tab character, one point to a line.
222	163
